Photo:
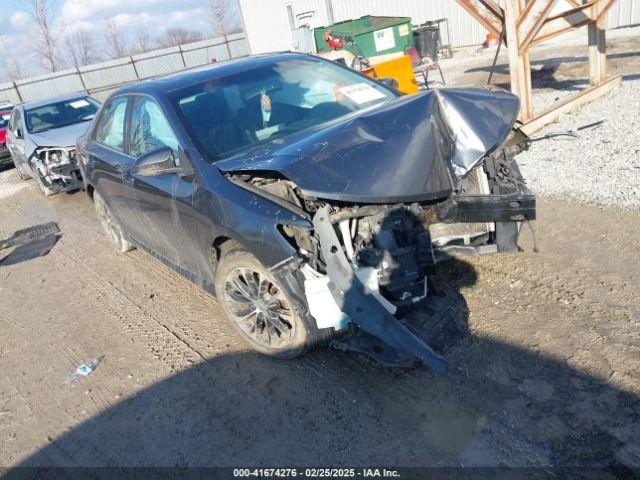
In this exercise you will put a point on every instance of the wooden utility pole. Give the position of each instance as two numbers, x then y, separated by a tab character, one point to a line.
530	23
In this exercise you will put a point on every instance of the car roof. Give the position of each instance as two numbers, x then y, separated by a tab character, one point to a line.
49	101
177	81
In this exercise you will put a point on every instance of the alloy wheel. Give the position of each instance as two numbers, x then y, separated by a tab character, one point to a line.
259	308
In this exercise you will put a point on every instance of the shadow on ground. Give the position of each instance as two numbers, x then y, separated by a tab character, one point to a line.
6	166
498	405
29	243
545	75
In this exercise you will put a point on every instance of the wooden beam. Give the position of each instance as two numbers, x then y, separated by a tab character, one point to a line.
598	51
494	8
575	3
531	21
603	6
564	22
519	66
571	103
483	15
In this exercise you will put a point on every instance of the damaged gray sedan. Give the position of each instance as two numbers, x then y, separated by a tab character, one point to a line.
41	137
312	201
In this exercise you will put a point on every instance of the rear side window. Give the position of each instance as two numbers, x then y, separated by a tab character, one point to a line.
110	128
149	128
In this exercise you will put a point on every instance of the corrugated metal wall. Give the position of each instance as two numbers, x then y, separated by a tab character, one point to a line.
624	13
268	29
100	79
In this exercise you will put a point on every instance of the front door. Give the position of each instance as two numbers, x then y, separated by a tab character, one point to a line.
165	222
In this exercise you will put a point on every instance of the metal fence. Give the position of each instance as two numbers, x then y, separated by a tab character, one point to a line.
102	78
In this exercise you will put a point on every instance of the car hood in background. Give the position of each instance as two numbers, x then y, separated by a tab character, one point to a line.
60	137
414	148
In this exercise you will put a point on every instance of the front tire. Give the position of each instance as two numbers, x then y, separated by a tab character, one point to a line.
46	191
23	176
110	225
260	309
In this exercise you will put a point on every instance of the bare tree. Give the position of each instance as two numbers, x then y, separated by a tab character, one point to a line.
81	48
222	18
116	39
178	36
143	39
12	68
41	13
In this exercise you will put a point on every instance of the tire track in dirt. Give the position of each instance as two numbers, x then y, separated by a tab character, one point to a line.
514	393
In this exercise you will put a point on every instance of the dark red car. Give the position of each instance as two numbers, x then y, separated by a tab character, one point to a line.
5	155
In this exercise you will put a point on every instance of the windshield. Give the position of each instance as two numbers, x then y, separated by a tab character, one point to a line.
61	114
4	119
273	100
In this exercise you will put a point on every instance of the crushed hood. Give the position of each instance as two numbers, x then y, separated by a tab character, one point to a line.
59	137
413	148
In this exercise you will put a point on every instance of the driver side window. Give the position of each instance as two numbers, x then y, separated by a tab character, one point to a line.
149	129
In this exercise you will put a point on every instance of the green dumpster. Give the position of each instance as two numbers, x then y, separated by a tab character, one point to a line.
367	36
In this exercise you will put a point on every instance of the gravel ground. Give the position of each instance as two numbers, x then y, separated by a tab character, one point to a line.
601	166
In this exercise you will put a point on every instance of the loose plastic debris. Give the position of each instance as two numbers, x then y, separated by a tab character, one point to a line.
84	370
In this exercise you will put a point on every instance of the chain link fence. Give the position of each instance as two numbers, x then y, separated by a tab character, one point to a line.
100	79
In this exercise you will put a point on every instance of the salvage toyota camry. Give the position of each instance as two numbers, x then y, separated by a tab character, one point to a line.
312	201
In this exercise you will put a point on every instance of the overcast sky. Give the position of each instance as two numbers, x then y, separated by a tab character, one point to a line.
156	15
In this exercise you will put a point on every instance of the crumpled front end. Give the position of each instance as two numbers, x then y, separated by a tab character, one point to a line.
57	167
362	263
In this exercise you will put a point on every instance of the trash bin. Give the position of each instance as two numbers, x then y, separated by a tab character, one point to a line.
427	41
367	36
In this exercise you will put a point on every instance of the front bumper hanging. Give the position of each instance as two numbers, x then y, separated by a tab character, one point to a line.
364	309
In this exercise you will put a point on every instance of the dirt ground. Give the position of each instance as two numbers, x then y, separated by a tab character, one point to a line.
549	374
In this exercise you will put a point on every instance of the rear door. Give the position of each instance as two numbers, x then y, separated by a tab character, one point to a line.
166	222
105	156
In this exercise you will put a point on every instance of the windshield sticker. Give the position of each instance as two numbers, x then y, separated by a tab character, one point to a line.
6	117
79	104
361	93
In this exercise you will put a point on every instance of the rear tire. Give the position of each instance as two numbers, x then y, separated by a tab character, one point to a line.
110	225
260	309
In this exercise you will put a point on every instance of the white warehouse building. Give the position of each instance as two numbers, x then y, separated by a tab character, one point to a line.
279	25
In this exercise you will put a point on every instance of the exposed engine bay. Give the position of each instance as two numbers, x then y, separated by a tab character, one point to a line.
57	167
363	262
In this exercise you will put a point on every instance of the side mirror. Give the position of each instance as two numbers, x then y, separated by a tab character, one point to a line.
157	162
